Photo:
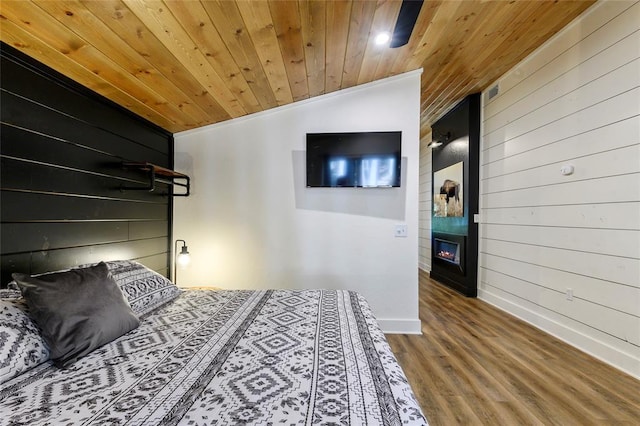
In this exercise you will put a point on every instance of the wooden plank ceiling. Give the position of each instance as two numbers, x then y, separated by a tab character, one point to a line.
185	64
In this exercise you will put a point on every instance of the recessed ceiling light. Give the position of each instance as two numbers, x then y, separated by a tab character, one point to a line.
382	38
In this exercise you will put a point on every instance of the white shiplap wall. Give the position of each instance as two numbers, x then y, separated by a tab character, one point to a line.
576	100
424	200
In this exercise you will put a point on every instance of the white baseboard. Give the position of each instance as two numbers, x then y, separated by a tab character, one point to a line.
400	326
426	268
625	362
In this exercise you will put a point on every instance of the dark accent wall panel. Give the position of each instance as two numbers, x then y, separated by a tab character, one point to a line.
61	197
463	123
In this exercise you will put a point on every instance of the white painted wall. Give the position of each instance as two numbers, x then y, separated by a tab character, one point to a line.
424	214
576	100
252	223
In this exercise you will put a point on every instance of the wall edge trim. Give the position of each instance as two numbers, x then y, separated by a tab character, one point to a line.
400	326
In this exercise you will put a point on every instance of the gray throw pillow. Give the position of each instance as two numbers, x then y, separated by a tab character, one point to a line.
77	310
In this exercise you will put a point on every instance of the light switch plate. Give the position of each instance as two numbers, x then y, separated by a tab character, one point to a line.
401	231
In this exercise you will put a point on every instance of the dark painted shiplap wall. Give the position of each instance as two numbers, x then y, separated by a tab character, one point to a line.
61	202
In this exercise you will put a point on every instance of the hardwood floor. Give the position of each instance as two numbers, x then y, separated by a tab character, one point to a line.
475	364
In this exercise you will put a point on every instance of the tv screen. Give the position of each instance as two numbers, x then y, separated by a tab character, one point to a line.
365	159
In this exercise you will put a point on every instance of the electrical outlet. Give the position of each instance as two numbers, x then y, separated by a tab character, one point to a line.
401	231
569	294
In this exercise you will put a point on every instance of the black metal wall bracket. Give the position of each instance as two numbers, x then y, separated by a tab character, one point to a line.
159	174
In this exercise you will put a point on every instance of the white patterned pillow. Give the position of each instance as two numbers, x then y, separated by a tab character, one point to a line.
144	289
10	293
21	346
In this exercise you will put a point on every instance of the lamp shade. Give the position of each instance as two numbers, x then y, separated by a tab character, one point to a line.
183	257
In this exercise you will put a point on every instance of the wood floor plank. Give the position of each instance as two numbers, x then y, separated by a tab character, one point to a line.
475	364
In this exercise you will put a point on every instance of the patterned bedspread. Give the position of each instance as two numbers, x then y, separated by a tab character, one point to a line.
229	358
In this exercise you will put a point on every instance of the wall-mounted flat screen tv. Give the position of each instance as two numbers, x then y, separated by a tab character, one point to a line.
351	160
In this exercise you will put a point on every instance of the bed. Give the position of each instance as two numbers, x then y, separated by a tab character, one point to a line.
202	357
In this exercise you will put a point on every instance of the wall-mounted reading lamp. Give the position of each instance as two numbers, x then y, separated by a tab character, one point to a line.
439	140
434	144
180	259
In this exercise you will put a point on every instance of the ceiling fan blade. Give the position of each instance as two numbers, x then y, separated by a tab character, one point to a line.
407	18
